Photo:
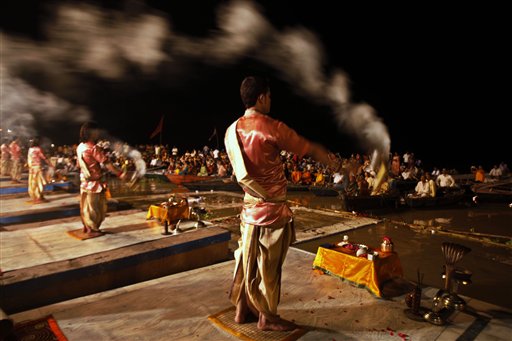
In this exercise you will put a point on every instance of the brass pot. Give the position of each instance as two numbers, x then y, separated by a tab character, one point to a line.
386	246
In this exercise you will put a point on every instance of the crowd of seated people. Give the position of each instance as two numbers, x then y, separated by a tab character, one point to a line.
356	177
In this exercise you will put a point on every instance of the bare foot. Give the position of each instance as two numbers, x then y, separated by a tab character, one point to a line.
277	325
241	311
244	312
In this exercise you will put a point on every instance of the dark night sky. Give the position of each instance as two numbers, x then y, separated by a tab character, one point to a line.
437	76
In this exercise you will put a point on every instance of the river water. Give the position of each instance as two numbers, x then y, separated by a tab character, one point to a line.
491	265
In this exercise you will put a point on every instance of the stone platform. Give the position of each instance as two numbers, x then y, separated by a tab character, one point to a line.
176	307
18	210
43	264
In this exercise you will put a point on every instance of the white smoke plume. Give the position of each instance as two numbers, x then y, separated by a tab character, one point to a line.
23	106
84	39
298	56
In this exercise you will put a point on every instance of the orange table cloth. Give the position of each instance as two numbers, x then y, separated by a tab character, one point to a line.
358	270
168	214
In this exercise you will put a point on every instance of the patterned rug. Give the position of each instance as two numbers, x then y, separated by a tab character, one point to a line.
249	331
43	329
80	234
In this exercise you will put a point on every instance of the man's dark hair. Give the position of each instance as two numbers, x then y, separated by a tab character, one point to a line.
34	142
251	88
86	131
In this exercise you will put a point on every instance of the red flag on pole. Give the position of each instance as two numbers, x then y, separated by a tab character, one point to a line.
158	129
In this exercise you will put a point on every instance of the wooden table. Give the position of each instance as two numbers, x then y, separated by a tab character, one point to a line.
364	273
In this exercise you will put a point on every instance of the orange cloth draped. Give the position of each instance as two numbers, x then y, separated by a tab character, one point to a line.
358	270
169	214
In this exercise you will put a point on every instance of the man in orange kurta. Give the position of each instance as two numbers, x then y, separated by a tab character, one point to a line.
254	143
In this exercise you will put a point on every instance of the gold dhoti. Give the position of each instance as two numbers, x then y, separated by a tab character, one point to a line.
16	170
93	209
259	259
36	183
5	167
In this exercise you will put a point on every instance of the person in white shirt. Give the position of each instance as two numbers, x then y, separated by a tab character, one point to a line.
495	172
445	180
405	157
337	178
422	188
370	179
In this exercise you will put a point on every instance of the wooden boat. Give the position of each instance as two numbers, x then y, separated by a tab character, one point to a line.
297	188
497	191
225	184
324	191
369	202
405	186
181	179
448	198
218	184
156	175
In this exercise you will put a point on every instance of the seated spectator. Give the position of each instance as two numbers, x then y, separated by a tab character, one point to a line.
362	185
395	164
495	172
203	171
409	174
369	179
352	188
422	189
319	178
480	174
296	175
306	177
435	172
337	178
431	184
221	170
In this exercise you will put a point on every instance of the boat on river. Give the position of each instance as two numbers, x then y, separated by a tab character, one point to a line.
362	203
495	191
226	184
323	191
447	198
179	179
217	184
291	187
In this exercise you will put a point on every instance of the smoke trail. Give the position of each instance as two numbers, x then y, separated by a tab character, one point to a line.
84	39
23	106
298	56
121	148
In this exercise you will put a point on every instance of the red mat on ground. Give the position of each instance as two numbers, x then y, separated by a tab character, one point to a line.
45	329
80	234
